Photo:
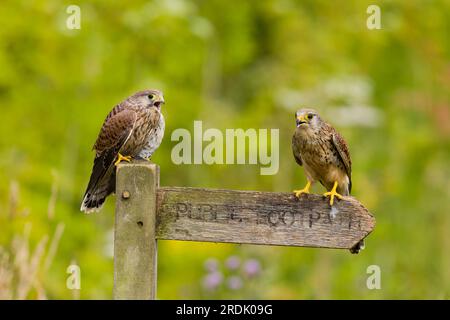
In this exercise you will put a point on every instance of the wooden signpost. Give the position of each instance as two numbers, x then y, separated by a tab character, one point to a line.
146	212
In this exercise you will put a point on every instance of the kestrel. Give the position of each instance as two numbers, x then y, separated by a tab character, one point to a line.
324	155
133	129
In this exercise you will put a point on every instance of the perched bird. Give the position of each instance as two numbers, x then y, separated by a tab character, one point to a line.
324	155
133	129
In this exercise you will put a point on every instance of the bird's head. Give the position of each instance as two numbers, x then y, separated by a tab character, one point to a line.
307	118
149	98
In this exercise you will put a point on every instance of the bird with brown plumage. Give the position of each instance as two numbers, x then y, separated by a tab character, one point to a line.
325	157
133	129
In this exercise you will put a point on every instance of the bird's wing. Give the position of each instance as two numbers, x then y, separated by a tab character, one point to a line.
296	152
342	149
115	132
116	127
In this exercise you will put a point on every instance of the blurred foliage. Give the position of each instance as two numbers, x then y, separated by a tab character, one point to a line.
232	64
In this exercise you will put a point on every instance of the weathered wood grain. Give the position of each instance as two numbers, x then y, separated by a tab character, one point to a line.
135	248
260	218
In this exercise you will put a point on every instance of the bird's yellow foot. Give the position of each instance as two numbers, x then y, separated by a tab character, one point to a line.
333	194
298	193
121	158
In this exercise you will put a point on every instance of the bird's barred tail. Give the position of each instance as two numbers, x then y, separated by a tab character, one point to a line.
95	196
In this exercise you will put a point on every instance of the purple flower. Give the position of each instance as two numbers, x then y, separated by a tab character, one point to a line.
211	265
212	280
252	267
234	283
233	263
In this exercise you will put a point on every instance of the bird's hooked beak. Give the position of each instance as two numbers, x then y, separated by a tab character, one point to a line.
159	100
301	119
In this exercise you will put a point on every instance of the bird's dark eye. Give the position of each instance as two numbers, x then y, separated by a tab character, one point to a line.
310	116
151	96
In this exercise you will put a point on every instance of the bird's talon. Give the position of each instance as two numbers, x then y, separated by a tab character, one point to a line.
333	194
298	193
305	190
121	158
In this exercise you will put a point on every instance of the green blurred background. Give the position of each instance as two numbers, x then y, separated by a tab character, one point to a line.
232	64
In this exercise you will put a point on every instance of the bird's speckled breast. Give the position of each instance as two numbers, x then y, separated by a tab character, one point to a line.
320	158
154	137
146	135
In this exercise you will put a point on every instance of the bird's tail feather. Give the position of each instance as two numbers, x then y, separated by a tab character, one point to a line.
95	195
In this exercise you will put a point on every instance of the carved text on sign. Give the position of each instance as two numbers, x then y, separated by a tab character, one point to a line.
228	213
